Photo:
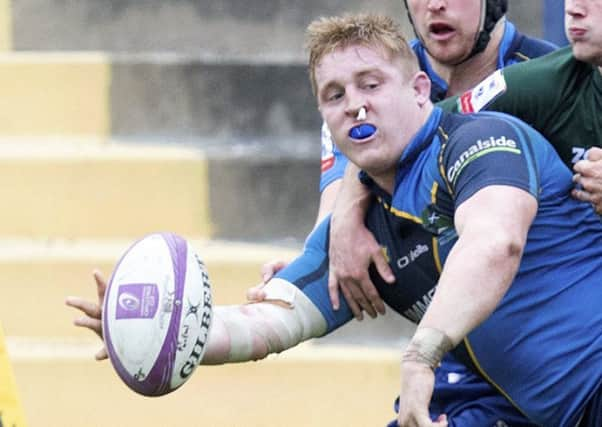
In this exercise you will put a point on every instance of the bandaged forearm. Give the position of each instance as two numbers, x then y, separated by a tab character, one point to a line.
252	331
428	346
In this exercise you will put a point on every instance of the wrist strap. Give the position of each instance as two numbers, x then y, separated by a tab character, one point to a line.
428	346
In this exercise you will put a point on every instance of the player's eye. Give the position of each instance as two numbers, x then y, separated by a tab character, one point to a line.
334	95
371	85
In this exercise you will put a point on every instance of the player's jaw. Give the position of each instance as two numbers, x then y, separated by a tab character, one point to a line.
582	26
447	43
447	29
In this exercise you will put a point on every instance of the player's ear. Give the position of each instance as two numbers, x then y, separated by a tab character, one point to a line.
422	87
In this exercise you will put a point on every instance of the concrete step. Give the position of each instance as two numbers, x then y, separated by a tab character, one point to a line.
157	96
310	386
83	188
227	26
87	188
38	275
54	94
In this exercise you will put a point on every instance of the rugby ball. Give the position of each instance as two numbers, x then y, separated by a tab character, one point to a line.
157	314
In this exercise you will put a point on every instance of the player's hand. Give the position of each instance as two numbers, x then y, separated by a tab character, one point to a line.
268	270
417	385
588	177
92	318
352	249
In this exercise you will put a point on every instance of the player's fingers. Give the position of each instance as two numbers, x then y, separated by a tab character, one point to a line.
383	267
333	290
441	421
587	168
256	293
89	308
269	269
372	295
92	324
101	354
594	153
582	195
360	298
355	308
591	185
101	285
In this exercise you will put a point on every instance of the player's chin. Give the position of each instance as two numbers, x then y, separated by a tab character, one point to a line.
448	53
587	53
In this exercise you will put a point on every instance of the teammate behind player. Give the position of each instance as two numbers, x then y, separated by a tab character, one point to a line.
560	95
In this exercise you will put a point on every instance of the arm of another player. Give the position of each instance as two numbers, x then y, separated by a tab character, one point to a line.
492	226
353	248
589	177
239	332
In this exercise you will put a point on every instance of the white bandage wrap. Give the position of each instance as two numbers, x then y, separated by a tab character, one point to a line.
252	331
428	346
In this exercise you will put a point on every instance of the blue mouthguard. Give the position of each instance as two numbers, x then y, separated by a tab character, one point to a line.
362	131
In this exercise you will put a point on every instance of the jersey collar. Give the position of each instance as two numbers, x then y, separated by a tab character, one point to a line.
439	86
416	146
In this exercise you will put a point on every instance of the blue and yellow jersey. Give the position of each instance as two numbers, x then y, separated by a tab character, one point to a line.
542	346
514	47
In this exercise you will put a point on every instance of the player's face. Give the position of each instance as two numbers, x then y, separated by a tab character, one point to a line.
358	76
448	28
583	28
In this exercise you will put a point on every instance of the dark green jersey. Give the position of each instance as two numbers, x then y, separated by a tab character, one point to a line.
558	95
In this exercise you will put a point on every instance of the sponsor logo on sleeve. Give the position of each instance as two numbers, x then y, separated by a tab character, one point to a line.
327	148
482	94
478	149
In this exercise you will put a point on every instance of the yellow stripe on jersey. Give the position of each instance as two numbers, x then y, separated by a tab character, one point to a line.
477	365
401	214
436	256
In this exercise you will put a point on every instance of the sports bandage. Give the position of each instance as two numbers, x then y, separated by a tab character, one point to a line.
252	331
427	346
361	114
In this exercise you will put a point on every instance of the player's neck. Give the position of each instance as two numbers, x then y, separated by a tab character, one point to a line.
468	74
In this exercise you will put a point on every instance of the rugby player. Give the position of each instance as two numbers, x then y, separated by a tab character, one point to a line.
515	261
458	43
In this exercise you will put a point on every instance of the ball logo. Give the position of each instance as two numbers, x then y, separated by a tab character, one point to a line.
128	301
137	301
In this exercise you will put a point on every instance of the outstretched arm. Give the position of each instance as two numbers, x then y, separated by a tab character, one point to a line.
239	332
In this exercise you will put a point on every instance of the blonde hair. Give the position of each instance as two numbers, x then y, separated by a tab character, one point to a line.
325	35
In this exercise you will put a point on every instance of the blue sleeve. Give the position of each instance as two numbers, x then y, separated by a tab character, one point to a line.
309	273
491	149
333	161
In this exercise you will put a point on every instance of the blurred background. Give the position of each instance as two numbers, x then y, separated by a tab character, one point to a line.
123	117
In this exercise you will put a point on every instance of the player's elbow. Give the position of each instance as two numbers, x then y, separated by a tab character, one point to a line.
505	247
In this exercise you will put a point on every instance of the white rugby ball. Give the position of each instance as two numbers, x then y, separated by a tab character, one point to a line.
157	314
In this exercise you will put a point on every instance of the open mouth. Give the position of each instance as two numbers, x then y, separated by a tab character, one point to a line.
362	131
441	29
